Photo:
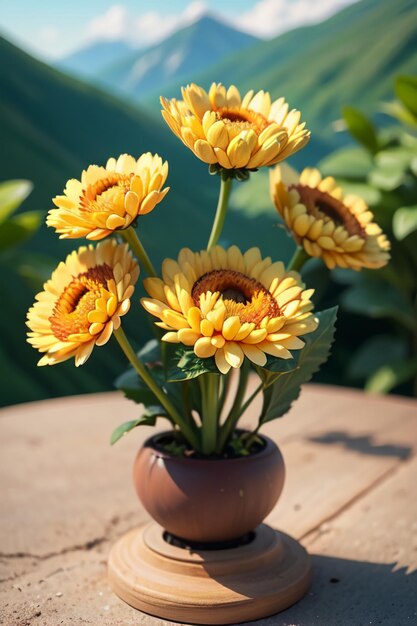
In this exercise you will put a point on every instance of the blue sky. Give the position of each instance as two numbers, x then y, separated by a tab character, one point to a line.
54	28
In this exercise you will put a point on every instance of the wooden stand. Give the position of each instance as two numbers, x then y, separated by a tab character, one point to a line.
266	576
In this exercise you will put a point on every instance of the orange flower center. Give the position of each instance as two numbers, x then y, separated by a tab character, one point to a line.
321	204
243	119
70	315
105	192
242	296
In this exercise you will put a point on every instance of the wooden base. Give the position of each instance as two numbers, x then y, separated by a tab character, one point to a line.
239	584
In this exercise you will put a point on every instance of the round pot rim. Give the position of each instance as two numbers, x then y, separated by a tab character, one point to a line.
269	448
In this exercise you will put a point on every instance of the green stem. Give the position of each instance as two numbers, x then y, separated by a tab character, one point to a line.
143	372
210	392
225	188
129	235
232	418
224	390
252	436
299	258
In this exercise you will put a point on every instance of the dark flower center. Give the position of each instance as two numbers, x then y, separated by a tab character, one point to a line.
242	295
77	300
322	204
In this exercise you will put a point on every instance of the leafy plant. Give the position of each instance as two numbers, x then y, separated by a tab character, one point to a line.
383	169
16	229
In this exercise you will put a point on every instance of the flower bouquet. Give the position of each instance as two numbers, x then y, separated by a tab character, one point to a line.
220	313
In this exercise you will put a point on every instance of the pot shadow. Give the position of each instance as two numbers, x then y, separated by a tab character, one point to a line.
350	593
364	444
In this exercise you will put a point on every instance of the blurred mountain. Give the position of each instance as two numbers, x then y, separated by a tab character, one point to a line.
187	52
91	60
351	57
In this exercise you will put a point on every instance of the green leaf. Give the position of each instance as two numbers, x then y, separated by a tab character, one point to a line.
347	163
387	178
391	376
147	419
134	388
361	128
376	299
131	383
276	365
186	365
279	397
398	158
150	353
19	228
12	194
404	222
399	112
375	353
406	91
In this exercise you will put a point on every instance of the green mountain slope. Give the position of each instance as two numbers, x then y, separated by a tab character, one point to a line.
53	126
188	51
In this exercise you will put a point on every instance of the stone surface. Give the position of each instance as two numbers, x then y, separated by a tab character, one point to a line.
349	496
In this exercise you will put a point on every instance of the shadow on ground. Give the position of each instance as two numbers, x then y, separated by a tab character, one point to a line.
363	445
353	593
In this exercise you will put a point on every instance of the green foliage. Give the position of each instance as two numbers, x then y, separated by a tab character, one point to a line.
376	352
12	194
376	298
404	222
15	229
406	91
361	128
132	384
279	396
391	376
185	365
389	185
148	418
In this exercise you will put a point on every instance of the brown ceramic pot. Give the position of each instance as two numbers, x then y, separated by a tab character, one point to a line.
208	500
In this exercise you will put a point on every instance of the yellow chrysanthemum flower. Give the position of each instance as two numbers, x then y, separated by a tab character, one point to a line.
82	302
337	228
222	127
230	305
109	198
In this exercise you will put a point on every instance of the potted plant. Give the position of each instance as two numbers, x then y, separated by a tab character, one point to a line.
223	317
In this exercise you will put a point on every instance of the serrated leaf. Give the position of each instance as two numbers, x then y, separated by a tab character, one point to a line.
376	299
185	365
279	397
12	194
273	369
361	128
147	419
404	222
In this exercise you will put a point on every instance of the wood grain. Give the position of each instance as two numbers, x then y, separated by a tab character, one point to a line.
209	587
